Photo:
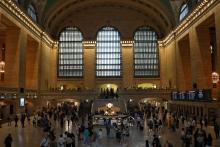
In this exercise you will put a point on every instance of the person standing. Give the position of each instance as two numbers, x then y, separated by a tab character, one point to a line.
86	136
209	141
34	122
183	137
9	121
16	121
156	141
61	141
53	142
216	129
22	120
147	143
8	141
69	140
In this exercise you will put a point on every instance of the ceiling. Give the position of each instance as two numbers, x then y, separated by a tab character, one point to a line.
49	3
90	15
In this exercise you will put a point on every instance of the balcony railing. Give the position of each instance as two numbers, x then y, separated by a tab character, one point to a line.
79	93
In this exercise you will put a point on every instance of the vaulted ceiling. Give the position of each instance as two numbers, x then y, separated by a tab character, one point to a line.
49	3
90	15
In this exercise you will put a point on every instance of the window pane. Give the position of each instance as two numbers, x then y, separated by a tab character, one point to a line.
70	62
108	53
146	54
32	12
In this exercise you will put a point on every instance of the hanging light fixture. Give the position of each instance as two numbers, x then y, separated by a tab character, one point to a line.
2	66
215	77
2	63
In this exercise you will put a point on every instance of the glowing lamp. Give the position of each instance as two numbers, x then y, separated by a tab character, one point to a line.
109	105
215	77
2	67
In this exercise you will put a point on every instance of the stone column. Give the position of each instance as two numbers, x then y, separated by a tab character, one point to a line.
22	46
89	65
184	80
200	57
54	67
171	73
32	64
162	56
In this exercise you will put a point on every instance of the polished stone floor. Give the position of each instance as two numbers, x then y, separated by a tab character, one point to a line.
31	137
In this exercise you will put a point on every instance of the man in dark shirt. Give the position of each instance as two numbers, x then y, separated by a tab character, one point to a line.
8	141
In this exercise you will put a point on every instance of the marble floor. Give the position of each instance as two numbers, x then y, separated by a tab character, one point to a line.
31	137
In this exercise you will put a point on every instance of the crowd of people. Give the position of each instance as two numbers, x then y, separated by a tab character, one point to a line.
154	120
194	132
108	93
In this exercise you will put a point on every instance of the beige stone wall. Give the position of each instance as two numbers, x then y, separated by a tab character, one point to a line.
184	75
11	75
89	67
32	59
128	66
188	57
46	72
170	65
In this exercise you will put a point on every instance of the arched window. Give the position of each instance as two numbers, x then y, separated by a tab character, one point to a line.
70	63
32	12
183	11
108	53
146	54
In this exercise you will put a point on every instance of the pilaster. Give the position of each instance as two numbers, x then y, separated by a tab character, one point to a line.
127	64
22	46
89	64
200	57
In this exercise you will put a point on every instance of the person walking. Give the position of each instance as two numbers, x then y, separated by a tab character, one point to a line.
8	141
45	142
